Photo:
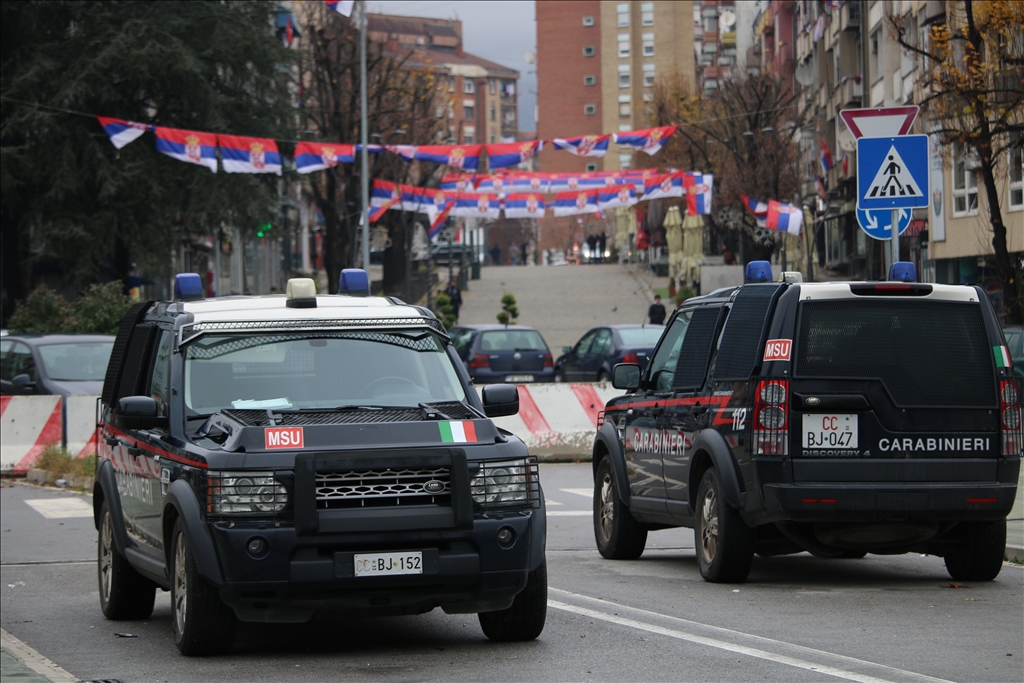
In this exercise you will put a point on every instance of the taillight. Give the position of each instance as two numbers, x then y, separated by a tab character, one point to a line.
480	361
548	361
771	417
1010	418
631	358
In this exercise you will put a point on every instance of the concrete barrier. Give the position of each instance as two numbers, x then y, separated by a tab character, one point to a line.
80	424
27	425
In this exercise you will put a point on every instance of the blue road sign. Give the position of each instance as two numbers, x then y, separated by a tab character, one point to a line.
892	173
877	223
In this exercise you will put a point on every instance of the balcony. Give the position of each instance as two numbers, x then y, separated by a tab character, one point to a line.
711	37
711	72
835	174
729	39
850	94
804	46
849	16
822	97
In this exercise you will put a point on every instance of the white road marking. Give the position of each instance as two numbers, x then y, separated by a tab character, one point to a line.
551	502
569	513
739	649
49	670
586	493
61	508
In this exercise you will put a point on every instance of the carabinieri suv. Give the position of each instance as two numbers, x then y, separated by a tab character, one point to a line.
265	458
836	418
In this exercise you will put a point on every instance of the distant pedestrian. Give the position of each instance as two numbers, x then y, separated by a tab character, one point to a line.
602	245
523	249
496	255
456	297
657	311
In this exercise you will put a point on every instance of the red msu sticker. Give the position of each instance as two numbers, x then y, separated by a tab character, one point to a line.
777	349
283	437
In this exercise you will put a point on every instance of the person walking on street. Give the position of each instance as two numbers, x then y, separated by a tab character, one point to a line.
456	297
657	311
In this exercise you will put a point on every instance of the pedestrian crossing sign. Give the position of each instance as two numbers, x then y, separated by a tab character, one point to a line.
892	172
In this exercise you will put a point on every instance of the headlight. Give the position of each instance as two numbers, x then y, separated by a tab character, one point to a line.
508	483
244	493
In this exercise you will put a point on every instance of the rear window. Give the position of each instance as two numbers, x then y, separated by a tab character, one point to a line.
926	353
512	340
641	336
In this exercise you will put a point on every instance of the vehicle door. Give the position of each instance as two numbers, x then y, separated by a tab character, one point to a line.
688	410
462	339
593	361
572	368
20	374
153	469
5	376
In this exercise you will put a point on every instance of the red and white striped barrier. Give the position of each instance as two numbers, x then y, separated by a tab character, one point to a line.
558	419
80	423
27	425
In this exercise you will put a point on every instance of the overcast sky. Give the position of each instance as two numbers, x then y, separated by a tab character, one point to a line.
502	31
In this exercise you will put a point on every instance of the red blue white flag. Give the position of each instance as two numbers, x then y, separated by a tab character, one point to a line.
663	185
573	203
248	155
466	157
532	182
649	140
758	208
826	157
584	146
458	182
189	146
784	218
616	196
122	132
317	156
493	184
438	218
477	206
377	212
513	154
524	205
698	193
342	7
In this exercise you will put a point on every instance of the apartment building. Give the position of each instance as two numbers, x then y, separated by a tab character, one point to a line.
723	32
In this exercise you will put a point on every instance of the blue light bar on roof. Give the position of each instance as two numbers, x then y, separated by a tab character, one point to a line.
354	282
758	271
188	286
903	271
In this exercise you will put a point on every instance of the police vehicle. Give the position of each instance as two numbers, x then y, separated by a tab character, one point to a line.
837	418
265	458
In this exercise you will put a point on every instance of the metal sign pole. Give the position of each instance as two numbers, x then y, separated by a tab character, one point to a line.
363	138
895	239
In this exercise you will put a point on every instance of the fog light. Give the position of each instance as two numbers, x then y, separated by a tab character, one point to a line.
257	547
506	537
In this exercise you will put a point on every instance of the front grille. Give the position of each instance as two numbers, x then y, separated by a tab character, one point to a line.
259	418
383	488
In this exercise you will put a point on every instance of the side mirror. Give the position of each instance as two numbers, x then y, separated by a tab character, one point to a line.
626	376
23	380
566	349
500	400
139	412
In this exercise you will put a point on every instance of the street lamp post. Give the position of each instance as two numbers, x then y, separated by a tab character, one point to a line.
363	138
406	232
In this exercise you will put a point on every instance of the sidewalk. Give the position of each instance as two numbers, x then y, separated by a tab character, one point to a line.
19	662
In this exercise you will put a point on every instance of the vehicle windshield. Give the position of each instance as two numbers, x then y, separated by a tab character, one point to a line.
316	371
512	340
76	362
640	336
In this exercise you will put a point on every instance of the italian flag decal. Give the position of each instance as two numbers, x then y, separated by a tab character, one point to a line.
463	431
1002	357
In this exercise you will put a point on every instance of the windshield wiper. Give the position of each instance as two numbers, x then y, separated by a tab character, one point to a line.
432	413
335	409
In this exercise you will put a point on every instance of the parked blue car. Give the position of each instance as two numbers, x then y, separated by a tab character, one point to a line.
500	353
602	348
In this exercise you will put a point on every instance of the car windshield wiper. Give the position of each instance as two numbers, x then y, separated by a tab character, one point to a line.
334	409
432	413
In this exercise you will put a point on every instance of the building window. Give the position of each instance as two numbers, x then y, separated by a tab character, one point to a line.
590	109
1017	178
648	97
469	86
647	14
440	111
468	112
648	44
493	114
589	80
625	107
622	14
625	160
588	51
492	85
623	75
588	21
492	137
965	184
648	75
875	73
711	23
623	44
451	84
591	167
468	135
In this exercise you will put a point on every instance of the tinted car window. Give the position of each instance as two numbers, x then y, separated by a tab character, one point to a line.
21	362
583	345
641	336
512	340
663	367
160	379
461	339
77	362
5	349
603	342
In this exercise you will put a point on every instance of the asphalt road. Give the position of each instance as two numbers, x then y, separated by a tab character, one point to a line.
797	618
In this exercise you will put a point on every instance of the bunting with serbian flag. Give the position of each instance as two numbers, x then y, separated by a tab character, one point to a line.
318	156
477	206
505	155
615	196
190	146
758	208
784	218
377	212
698	188
493	184
663	185
465	157
122	132
826	158
534	182
248	155
458	182
573	203
584	146
524	205
438	218
649	140
342	7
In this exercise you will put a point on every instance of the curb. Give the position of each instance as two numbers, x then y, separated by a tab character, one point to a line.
1014	553
39	668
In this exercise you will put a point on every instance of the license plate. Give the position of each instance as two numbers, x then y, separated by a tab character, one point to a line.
830	431
388	564
518	378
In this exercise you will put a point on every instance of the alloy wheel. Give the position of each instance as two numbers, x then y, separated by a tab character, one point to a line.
607	505
106	559
180	583
709	525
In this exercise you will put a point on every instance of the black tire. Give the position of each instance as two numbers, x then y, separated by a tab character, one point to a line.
203	624
524	620
559	376
723	541
618	535
980	557
602	376
852	554
124	593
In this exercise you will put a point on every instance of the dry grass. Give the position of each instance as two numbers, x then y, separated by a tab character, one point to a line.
57	460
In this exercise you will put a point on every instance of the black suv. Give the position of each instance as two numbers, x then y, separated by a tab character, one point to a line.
264	458
836	418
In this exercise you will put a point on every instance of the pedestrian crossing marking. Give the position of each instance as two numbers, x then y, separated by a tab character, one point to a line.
60	508
586	493
893	179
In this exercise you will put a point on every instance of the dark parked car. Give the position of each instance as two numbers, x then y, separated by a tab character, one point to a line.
53	363
500	353
1015	343
600	349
